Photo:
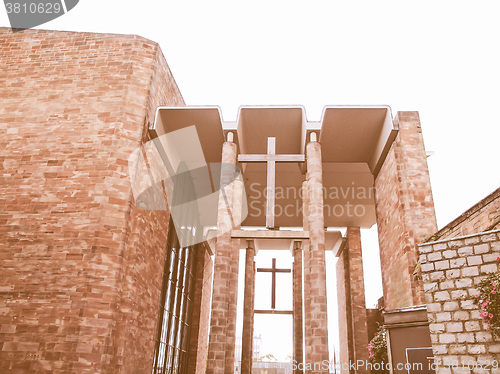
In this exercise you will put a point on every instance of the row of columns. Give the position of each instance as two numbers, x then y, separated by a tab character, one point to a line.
312	252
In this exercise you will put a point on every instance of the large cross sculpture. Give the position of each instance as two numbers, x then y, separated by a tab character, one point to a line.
271	158
273	270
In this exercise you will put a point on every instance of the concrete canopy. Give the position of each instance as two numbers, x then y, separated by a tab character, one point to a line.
354	140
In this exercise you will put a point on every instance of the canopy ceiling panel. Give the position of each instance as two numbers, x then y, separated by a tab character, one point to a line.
356	134
355	141
286	124
208	122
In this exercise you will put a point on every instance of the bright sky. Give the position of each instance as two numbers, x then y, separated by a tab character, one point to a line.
441	58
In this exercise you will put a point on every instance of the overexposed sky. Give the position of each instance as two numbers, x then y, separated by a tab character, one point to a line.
441	58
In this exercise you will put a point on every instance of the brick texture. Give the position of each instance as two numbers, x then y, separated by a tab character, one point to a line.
451	269
221	348
374	319
316	260
405	212
307	275
237	205
345	312
298	321
483	216
353	327
81	265
248	310
198	342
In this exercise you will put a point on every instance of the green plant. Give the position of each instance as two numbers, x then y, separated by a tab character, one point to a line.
488	300
377	348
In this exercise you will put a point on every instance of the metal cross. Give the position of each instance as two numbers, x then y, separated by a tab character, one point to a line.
271	158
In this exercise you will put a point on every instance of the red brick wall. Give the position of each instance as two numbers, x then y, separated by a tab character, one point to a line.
81	265
345	311
373	320
405	212
483	216
198	343
145	247
358	304
353	333
201	358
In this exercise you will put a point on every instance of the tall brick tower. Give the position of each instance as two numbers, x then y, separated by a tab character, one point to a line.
81	265
405	211
405	217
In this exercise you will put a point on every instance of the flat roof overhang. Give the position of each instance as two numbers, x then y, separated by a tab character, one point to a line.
355	141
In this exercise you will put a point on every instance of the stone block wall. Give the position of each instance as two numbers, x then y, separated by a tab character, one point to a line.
405	212
451	270
80	264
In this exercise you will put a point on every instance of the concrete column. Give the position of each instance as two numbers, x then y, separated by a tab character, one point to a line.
248	311
307	275
218	346
317	296
298	335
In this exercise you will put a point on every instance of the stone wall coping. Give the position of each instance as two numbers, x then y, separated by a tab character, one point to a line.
5	30
411	308
408	316
426	244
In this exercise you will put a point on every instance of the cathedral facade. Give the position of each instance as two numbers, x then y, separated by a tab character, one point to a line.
94	280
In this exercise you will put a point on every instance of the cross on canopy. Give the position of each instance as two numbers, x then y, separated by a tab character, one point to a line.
273	270
271	158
